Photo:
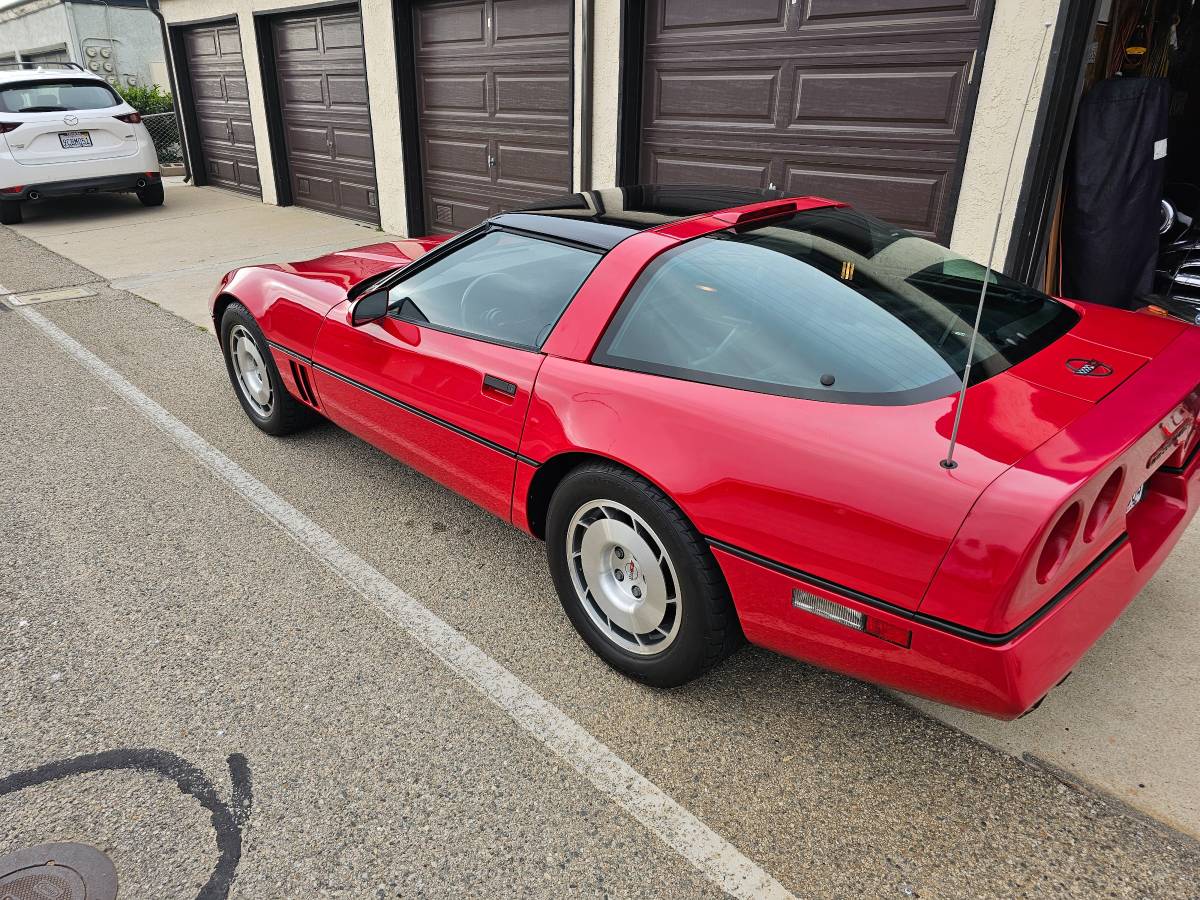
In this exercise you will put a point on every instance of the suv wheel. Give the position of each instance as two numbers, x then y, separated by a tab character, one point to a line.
152	194
10	212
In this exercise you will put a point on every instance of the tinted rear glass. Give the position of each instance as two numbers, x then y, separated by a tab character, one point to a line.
829	304
56	96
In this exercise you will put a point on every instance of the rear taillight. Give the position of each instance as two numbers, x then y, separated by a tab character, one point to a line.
132	118
1059	541
1104	504
6	127
15	189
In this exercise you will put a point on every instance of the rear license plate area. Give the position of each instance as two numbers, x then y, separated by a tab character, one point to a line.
74	140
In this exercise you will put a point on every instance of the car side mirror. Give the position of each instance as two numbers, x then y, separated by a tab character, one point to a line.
369	308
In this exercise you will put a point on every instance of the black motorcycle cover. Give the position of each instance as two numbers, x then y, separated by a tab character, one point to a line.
1114	183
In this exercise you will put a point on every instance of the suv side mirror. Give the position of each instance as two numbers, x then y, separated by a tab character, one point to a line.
369	308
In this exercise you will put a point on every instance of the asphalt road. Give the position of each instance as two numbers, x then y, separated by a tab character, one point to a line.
229	714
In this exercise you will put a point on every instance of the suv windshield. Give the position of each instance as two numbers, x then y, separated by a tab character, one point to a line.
828	304
56	96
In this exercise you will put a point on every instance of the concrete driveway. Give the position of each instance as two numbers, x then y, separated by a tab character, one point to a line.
174	255
188	603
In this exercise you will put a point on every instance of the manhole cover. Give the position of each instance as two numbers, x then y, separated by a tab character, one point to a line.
57	872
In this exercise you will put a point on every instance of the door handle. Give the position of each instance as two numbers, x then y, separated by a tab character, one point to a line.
492	384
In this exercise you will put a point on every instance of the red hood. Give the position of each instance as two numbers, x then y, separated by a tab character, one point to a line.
347	268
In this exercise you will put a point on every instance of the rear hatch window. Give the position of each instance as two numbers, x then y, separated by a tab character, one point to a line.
67	95
829	304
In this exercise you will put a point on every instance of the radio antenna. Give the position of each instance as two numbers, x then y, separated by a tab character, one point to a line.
948	462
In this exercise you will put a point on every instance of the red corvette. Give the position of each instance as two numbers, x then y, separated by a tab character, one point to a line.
727	415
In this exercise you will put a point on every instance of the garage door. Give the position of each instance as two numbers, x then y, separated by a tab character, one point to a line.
494	106
221	103
322	74
861	100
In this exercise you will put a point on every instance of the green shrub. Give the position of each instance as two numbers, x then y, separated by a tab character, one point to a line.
147	100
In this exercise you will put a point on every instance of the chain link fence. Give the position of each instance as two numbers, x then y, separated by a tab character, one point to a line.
164	131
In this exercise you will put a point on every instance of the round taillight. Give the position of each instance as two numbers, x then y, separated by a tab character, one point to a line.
1106	501
1059	541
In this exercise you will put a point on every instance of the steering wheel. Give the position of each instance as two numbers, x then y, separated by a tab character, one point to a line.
483	309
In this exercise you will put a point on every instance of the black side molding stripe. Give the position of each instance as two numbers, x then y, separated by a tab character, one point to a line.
970	634
428	417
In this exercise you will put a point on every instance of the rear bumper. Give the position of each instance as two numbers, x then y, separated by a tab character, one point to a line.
998	675
74	187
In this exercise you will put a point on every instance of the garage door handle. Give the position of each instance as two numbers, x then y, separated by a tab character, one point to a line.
494	385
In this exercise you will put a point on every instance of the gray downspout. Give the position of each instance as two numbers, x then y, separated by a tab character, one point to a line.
153	6
585	132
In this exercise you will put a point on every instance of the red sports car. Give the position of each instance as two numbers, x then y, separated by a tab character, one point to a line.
727	416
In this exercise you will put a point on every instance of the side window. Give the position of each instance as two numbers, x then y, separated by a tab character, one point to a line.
500	287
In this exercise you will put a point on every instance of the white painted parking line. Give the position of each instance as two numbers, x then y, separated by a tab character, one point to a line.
681	831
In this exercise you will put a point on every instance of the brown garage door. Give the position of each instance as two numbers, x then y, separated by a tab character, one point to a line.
222	106
861	100
494	106
322	75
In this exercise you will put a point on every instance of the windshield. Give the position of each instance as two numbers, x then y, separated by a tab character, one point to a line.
56	96
829	304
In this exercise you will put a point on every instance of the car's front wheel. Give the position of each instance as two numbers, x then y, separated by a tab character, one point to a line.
255	376
635	578
10	213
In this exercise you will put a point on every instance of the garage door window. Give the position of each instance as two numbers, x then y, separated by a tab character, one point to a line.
826	305
502	287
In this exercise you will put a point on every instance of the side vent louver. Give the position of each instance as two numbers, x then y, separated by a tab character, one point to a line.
300	375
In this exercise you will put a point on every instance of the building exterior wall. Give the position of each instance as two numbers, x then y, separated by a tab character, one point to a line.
1010	59
34	27
136	42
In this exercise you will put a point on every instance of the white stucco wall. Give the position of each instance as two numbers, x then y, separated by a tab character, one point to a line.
380	50
37	26
1010	61
606	74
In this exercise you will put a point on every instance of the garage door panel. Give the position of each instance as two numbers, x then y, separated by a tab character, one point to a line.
927	100
751	93
303	89
456	158
348	91
220	100
495	99
679	168
546	96
536	168
446	214
322	80
888	12
532	21
454	93
236	89
690	95
910	198
449	25
720	15
353	145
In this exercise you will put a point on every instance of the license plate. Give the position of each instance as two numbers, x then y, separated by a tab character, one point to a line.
73	140
1136	498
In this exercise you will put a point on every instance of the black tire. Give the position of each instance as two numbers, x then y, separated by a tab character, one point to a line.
10	213
152	194
708	626
287	414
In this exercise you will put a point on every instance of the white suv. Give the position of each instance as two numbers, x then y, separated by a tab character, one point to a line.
65	132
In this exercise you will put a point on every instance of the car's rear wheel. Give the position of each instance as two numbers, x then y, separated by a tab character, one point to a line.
152	194
10	213
255	376
635	578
